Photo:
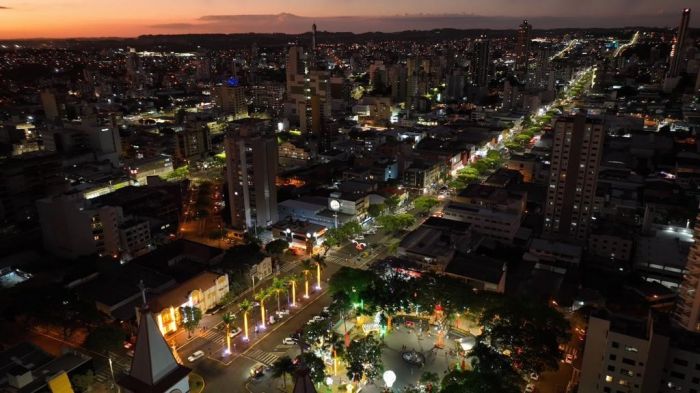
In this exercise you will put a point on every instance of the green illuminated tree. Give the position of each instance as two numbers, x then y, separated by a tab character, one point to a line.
190	318
423	204
364	357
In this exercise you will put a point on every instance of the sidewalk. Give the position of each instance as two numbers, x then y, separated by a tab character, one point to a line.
212	321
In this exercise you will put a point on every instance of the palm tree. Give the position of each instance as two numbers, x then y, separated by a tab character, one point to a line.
282	367
292	279
320	262
261	296
227	319
277	287
245	306
306	267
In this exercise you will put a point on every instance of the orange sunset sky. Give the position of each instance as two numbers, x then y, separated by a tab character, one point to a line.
100	18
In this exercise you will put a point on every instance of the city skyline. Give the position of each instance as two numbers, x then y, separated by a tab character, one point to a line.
43	19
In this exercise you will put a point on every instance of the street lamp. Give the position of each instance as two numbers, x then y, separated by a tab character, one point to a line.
389	378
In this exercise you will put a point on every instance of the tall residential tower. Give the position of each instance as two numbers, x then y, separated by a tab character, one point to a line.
578	147
687	312
679	42
251	168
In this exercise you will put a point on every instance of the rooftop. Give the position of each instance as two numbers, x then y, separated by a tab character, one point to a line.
477	267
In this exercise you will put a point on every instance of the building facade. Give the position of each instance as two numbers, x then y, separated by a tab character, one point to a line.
251	167
578	147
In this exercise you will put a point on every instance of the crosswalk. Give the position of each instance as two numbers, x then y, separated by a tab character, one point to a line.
569	349
268	358
214	336
263	357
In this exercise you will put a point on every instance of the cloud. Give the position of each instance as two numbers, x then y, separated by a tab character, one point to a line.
294	24
174	26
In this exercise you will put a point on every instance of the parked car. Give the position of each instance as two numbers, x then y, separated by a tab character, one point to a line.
235	332
282	313
534	376
326	310
214	310
530	388
195	356
569	358
288	341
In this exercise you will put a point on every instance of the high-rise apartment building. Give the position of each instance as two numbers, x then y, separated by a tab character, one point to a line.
49	103
302	85
687	312
194	142
251	166
679	42
230	97
578	147
482	62
522	48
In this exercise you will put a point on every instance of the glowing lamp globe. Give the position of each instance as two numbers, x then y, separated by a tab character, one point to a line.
389	378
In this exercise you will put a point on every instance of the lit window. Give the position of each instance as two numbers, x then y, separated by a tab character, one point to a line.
608	378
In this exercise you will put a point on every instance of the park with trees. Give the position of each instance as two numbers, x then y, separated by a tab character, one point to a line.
511	338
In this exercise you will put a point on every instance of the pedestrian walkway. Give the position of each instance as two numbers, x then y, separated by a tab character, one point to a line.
263	357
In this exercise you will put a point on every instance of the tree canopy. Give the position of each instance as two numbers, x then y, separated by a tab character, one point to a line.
397	222
531	332
424	203
364	358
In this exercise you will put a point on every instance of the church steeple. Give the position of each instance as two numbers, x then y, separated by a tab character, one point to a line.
153	368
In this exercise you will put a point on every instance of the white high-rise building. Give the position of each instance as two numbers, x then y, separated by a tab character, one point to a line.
251	167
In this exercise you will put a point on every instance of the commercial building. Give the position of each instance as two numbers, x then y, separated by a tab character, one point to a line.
434	244
422	175
578	147
251	168
492	211
71	227
301	235
203	291
662	255
314	210
139	170
135	236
